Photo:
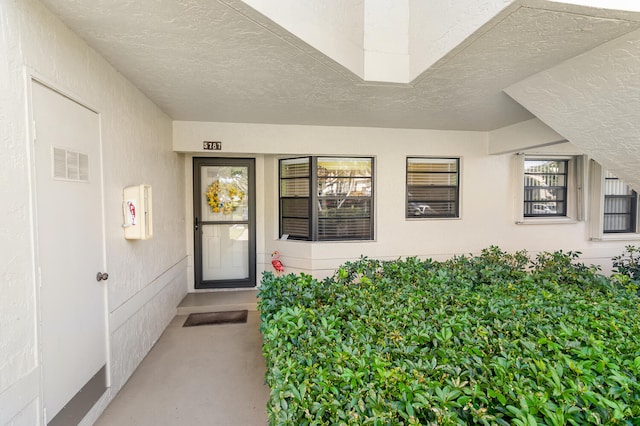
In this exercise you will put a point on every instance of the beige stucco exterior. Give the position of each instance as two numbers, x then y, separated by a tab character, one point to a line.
142	144
490	188
147	279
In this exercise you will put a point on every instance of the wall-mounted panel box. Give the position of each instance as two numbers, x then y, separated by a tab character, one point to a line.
136	209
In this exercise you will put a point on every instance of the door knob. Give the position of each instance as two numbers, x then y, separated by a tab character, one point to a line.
102	276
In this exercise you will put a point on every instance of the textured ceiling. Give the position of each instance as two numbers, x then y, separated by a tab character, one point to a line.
207	60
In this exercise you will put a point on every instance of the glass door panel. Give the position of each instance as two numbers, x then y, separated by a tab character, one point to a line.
225	193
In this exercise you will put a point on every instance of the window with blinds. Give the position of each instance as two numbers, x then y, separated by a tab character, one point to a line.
344	198
340	206
545	187
295	181
432	187
620	206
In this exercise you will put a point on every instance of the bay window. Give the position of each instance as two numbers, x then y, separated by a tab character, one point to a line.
326	198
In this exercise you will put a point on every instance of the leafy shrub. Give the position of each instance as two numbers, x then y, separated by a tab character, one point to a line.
491	339
628	263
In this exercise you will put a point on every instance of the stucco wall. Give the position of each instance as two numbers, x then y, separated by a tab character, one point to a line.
147	278
489	188
17	305
604	4
593	100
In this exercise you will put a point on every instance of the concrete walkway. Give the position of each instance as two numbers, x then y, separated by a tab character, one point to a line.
203	375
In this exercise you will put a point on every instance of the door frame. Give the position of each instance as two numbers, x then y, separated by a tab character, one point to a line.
32	77
249	282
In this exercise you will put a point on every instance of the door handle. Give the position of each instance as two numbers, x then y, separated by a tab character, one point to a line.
102	276
196	224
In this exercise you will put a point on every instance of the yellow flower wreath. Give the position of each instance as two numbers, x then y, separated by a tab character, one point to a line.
224	197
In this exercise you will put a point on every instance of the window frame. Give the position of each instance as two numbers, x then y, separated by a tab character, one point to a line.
457	200
564	189
314	199
597	182
575	190
281	217
633	214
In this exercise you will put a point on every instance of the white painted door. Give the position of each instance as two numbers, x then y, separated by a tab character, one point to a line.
70	245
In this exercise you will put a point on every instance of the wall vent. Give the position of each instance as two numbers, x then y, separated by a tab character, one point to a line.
70	165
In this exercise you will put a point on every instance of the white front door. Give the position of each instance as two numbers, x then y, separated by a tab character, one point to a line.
70	247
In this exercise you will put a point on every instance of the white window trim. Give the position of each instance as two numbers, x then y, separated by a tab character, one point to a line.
596	209
575	189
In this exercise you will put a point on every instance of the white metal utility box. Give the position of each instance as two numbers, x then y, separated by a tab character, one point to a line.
136	209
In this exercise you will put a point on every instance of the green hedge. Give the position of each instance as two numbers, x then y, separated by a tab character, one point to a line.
492	339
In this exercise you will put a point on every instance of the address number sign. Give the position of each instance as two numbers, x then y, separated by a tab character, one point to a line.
212	145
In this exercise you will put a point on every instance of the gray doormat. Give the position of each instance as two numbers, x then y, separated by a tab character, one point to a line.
209	318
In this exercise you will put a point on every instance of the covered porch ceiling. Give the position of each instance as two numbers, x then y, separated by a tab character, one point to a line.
222	61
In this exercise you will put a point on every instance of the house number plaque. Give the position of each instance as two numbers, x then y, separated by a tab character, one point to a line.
212	145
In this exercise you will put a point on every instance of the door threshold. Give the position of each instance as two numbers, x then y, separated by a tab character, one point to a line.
218	301
223	290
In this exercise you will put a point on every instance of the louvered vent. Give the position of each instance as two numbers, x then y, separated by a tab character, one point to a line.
83	167
59	163
70	165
